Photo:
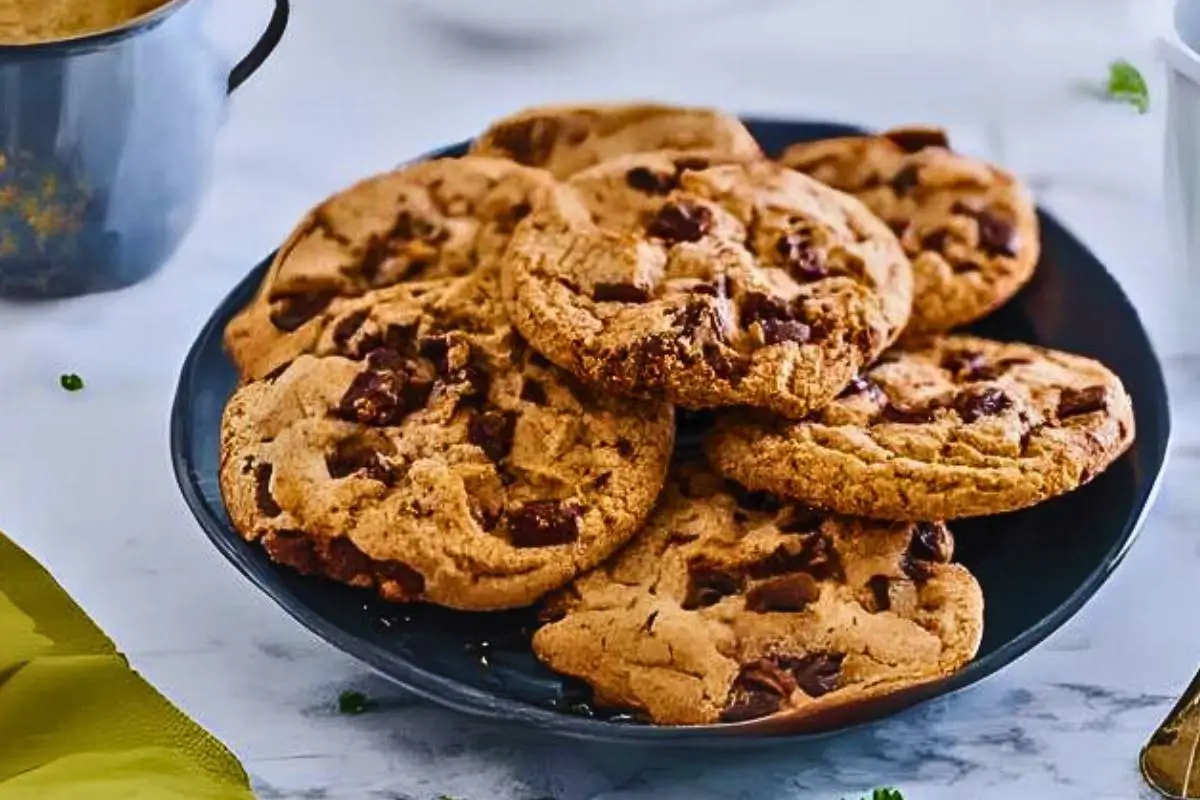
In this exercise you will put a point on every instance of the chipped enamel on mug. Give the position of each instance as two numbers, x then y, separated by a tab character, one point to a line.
106	140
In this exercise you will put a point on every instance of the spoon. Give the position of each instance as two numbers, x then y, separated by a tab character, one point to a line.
1170	761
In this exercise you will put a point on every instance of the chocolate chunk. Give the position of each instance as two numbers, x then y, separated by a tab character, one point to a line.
681	222
935	240
880	598
906	180
383	359
931	541
528	141
344	561
863	384
411	582
651	182
749	705
997	237
601	481
289	312
756	307
898	226
492	432
543	523
533	392
262	491
475	380
401	338
293	549
788	593
356	455
816	674
802	520
619	293
816	556
625	448
1074	402
378	397
802	261
974	404
914	140
344	331
909	415
777	331
753	501
437	350
708	584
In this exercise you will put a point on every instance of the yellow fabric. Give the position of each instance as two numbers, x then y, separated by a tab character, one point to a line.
76	721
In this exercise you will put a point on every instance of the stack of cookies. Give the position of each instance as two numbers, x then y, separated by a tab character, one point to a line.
461	382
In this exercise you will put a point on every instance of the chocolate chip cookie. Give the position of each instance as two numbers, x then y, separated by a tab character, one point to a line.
428	220
969	227
708	284
426	452
566	139
955	427
731	605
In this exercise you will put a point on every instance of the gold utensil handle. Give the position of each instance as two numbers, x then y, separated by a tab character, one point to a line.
1170	761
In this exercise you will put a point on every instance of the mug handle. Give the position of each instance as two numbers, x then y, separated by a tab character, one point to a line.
263	47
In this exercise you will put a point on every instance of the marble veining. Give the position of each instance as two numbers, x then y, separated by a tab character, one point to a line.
360	85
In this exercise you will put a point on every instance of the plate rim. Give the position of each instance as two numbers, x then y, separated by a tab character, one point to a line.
477	702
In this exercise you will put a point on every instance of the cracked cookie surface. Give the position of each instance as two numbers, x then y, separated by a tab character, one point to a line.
567	139
427	452
953	427
969	227
706	283
732	605
428	220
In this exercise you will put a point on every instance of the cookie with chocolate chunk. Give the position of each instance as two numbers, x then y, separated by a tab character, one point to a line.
566	139
428	220
707	283
732	605
953	427
970	228
426	452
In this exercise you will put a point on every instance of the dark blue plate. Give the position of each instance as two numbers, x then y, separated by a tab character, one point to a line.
1037	567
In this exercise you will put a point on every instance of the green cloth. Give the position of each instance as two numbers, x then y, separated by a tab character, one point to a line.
77	722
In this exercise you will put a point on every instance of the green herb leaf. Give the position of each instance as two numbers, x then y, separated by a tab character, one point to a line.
71	382
1126	85
354	703
886	794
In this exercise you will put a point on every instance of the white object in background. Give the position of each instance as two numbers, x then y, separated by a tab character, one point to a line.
542	19
1178	48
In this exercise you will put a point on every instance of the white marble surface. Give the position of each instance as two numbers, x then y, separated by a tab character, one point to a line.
85	482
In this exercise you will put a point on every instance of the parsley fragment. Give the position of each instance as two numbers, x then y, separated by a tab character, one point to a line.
350	702
1126	85
886	794
71	382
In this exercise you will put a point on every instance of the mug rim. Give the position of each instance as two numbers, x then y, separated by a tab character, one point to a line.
92	40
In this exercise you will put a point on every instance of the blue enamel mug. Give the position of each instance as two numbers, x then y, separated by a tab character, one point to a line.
106	142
